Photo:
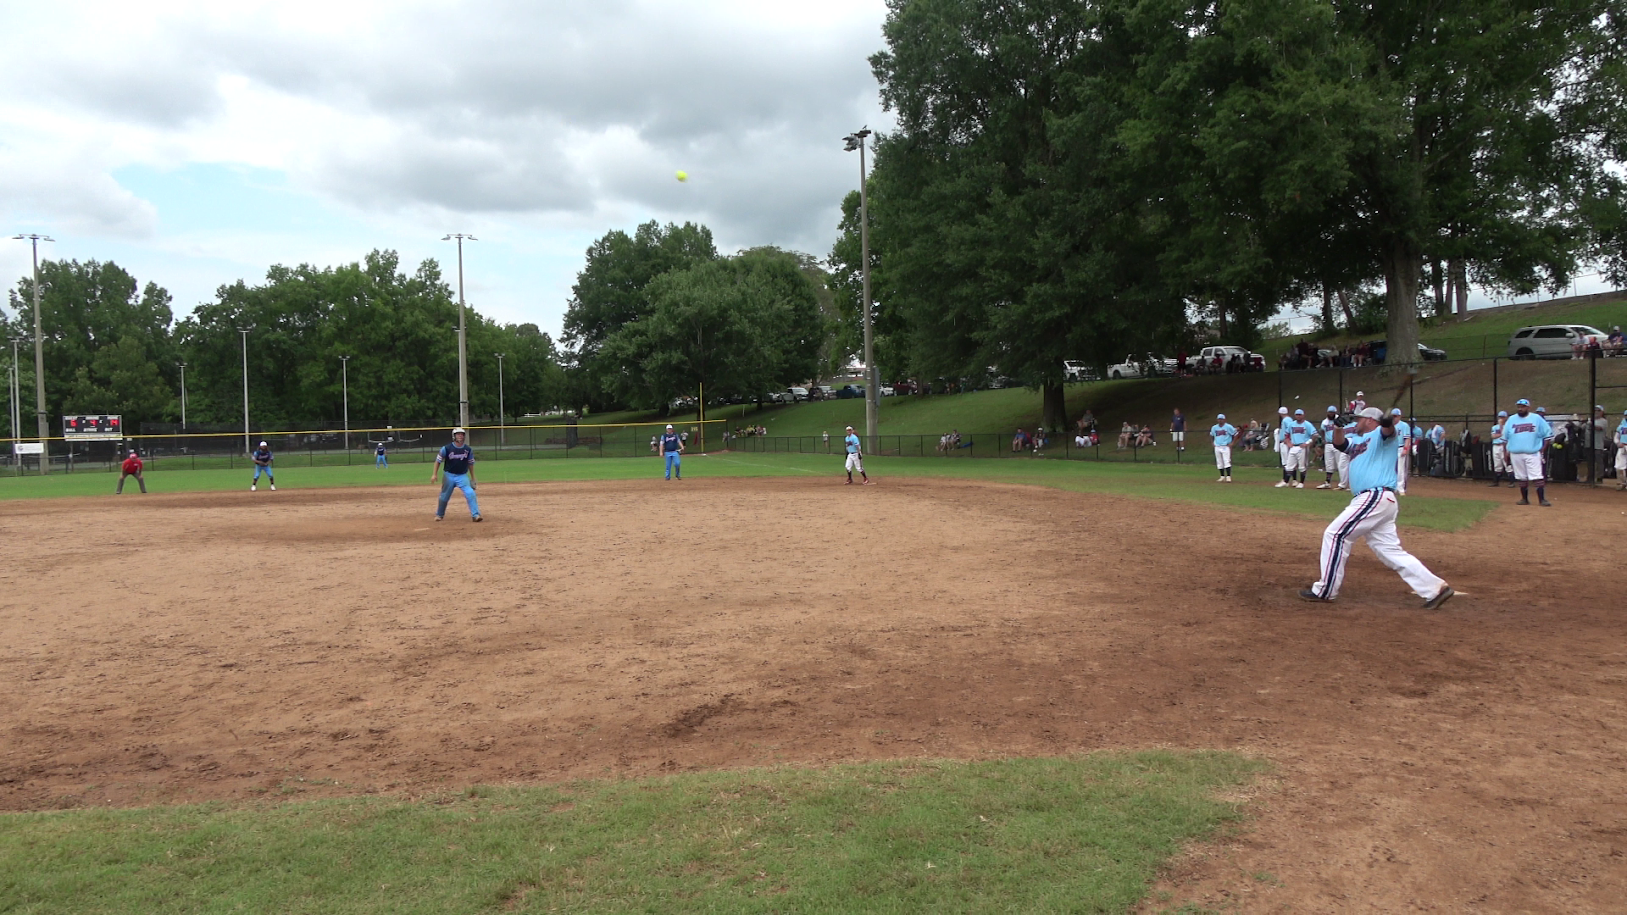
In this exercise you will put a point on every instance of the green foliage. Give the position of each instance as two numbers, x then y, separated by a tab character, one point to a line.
1072	834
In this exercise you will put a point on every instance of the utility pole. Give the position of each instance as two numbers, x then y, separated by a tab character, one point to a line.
872	386
14	389
247	447
39	357
502	427
183	395
463	349
344	374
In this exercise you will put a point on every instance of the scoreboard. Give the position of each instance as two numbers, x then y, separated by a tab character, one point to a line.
104	428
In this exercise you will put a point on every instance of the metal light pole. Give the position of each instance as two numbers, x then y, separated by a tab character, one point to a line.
463	350
247	448
39	356
344	374
183	395
872	387
502	427
15	391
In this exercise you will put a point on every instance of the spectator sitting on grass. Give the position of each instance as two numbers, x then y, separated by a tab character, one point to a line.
1127	434
1144	437
1019	441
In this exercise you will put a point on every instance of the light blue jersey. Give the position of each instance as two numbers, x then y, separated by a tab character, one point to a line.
1621	434
1222	433
1402	430
852	441
1299	432
1497	434
1526	434
1372	460
1437	436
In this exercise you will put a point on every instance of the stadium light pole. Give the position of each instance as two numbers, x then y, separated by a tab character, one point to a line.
183	395
39	354
344	375
463	349
247	448
872	389
502	427
15	391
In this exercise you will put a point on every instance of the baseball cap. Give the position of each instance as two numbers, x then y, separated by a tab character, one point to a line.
1372	413
1599	408
669	425
1522	402
850	428
1502	414
1542	409
263	445
1299	412
1396	411
1333	409
132	452
1361	393
459	431
1223	416
1282	411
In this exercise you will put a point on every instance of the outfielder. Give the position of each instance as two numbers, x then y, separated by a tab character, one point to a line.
1526	434
1331	455
1223	433
1371	515
1279	439
262	464
855	458
380	459
130	468
1499	451
1298	434
672	447
1403	457
459	459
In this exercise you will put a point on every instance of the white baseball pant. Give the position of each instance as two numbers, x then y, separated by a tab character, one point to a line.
1499	459
1223	456
1527	467
1371	515
854	464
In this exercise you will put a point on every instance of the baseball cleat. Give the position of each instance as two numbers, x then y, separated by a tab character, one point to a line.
1545	503
1324	486
253	487
1221	480
1434	603
476	518
1523	502
439	518
1299	485
273	487
1310	595
1282	484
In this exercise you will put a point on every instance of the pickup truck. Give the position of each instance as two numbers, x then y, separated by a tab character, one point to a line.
1146	367
1204	361
1074	370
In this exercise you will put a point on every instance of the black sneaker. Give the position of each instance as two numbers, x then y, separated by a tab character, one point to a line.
1434	603
1308	594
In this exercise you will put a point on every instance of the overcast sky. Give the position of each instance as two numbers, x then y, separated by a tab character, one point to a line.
202	143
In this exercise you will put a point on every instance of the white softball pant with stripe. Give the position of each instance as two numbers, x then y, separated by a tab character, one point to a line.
1371	515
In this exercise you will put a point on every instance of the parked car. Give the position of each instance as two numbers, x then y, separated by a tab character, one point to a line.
904	387
822	392
1205	359
849	392
1146	367
1074	370
1552	341
1381	349
887	390
792	395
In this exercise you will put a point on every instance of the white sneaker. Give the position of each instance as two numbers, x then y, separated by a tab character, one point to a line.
273	487
1281	483
1324	486
253	487
1299	485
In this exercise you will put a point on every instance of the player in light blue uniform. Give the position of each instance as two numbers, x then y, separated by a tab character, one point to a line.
1223	433
1621	452
1296	437
1499	451
381	459
1526	434
671	446
1404	434
855	457
1373	452
262	464
459	459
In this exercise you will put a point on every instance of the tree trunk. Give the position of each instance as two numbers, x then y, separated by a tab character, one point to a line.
1437	277
1220	311
1344	303
1403	263
1055	413
1460	284
1327	308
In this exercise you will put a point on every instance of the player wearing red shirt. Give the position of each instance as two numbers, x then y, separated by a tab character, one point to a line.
131	468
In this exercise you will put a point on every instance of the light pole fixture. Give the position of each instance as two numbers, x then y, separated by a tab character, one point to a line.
463	350
39	356
344	375
183	395
502	428
247	446
872	386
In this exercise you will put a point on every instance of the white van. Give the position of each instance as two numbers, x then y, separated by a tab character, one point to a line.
793	395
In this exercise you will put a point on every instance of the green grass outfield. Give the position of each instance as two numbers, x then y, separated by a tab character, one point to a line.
1077	834
1182	482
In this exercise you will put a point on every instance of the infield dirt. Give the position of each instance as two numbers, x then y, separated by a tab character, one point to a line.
162	649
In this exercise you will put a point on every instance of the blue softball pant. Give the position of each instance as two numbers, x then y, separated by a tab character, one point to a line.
461	481
674	465
265	469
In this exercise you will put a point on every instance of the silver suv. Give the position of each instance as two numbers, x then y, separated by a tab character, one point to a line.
1552	341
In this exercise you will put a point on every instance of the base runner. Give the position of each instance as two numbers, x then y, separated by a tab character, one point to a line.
855	458
1527	435
262	464
459	459
1223	434
130	468
1371	515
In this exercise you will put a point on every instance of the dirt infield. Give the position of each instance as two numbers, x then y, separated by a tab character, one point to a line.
177	648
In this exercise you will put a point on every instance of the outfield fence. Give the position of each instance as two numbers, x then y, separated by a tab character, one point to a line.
195	449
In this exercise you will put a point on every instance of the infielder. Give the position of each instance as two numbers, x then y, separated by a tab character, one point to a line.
1280	441
459	459
1371	514
1526	434
1621	452
1403	456
1499	450
262	464
380	459
1330	453
1298	433
855	458
1223	433
672	447
130	468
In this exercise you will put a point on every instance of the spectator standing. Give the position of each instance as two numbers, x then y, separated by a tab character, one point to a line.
1177	430
826	435
130	468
